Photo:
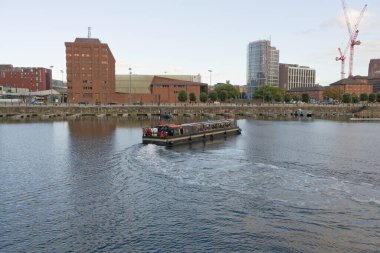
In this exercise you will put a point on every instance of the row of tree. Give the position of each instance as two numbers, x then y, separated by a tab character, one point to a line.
225	91
336	94
364	97
221	92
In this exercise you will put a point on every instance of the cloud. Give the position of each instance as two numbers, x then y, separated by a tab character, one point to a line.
368	50
365	23
368	21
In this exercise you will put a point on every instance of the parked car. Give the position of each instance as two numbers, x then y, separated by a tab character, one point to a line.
37	102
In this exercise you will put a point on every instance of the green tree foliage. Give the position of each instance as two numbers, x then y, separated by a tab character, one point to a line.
378	97
277	97
223	95
364	97
232	92
268	93
333	93
192	97
372	98
354	98
305	97
213	95
295	98
203	97
182	96
346	98
287	98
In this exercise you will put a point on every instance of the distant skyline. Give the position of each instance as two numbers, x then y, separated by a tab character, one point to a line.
189	36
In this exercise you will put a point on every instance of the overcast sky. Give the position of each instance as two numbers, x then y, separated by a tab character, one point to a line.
189	36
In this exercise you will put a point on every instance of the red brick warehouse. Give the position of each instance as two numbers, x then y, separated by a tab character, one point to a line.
90	71
32	78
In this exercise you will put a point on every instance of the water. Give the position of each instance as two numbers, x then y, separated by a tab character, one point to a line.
90	186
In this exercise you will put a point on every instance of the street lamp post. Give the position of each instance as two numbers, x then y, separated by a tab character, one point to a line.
62	86
130	85
51	83
210	75
62	76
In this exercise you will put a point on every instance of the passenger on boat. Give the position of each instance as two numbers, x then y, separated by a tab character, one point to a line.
148	132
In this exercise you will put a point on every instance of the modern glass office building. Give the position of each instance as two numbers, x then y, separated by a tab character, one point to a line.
262	65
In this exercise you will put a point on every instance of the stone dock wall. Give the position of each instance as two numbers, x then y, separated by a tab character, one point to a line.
267	111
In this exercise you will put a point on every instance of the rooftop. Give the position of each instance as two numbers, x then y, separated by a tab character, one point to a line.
87	40
352	81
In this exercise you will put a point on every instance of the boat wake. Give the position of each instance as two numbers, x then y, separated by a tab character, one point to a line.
229	170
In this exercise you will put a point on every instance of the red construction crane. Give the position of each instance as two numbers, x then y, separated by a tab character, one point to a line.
352	42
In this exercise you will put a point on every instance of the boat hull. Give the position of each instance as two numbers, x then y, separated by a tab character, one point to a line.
190	138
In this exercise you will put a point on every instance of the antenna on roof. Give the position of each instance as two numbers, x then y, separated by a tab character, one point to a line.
89	32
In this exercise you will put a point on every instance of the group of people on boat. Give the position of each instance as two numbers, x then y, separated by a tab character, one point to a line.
167	130
160	131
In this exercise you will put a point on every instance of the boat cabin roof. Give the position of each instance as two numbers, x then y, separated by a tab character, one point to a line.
194	124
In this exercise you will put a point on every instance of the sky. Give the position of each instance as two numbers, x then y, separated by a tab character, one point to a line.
189	36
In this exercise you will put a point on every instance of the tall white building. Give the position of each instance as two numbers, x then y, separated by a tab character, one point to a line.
262	65
295	76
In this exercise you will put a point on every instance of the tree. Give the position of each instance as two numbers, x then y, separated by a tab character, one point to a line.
287	98
192	97
378	97
223	95
267	93
203	97
268	97
295	98
213	95
346	98
305	97
277	97
182	96
354	98
364	97
333	93
231	91
372	98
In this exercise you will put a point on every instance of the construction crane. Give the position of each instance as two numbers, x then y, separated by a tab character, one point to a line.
352	42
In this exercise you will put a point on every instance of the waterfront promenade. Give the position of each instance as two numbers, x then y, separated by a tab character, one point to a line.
268	111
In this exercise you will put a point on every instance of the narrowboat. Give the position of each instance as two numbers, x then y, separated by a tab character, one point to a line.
173	134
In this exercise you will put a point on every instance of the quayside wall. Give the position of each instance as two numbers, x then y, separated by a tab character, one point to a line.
266	111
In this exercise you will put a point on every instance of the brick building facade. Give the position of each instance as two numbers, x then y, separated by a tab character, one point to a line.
355	85
315	92
166	90
32	78
90	68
